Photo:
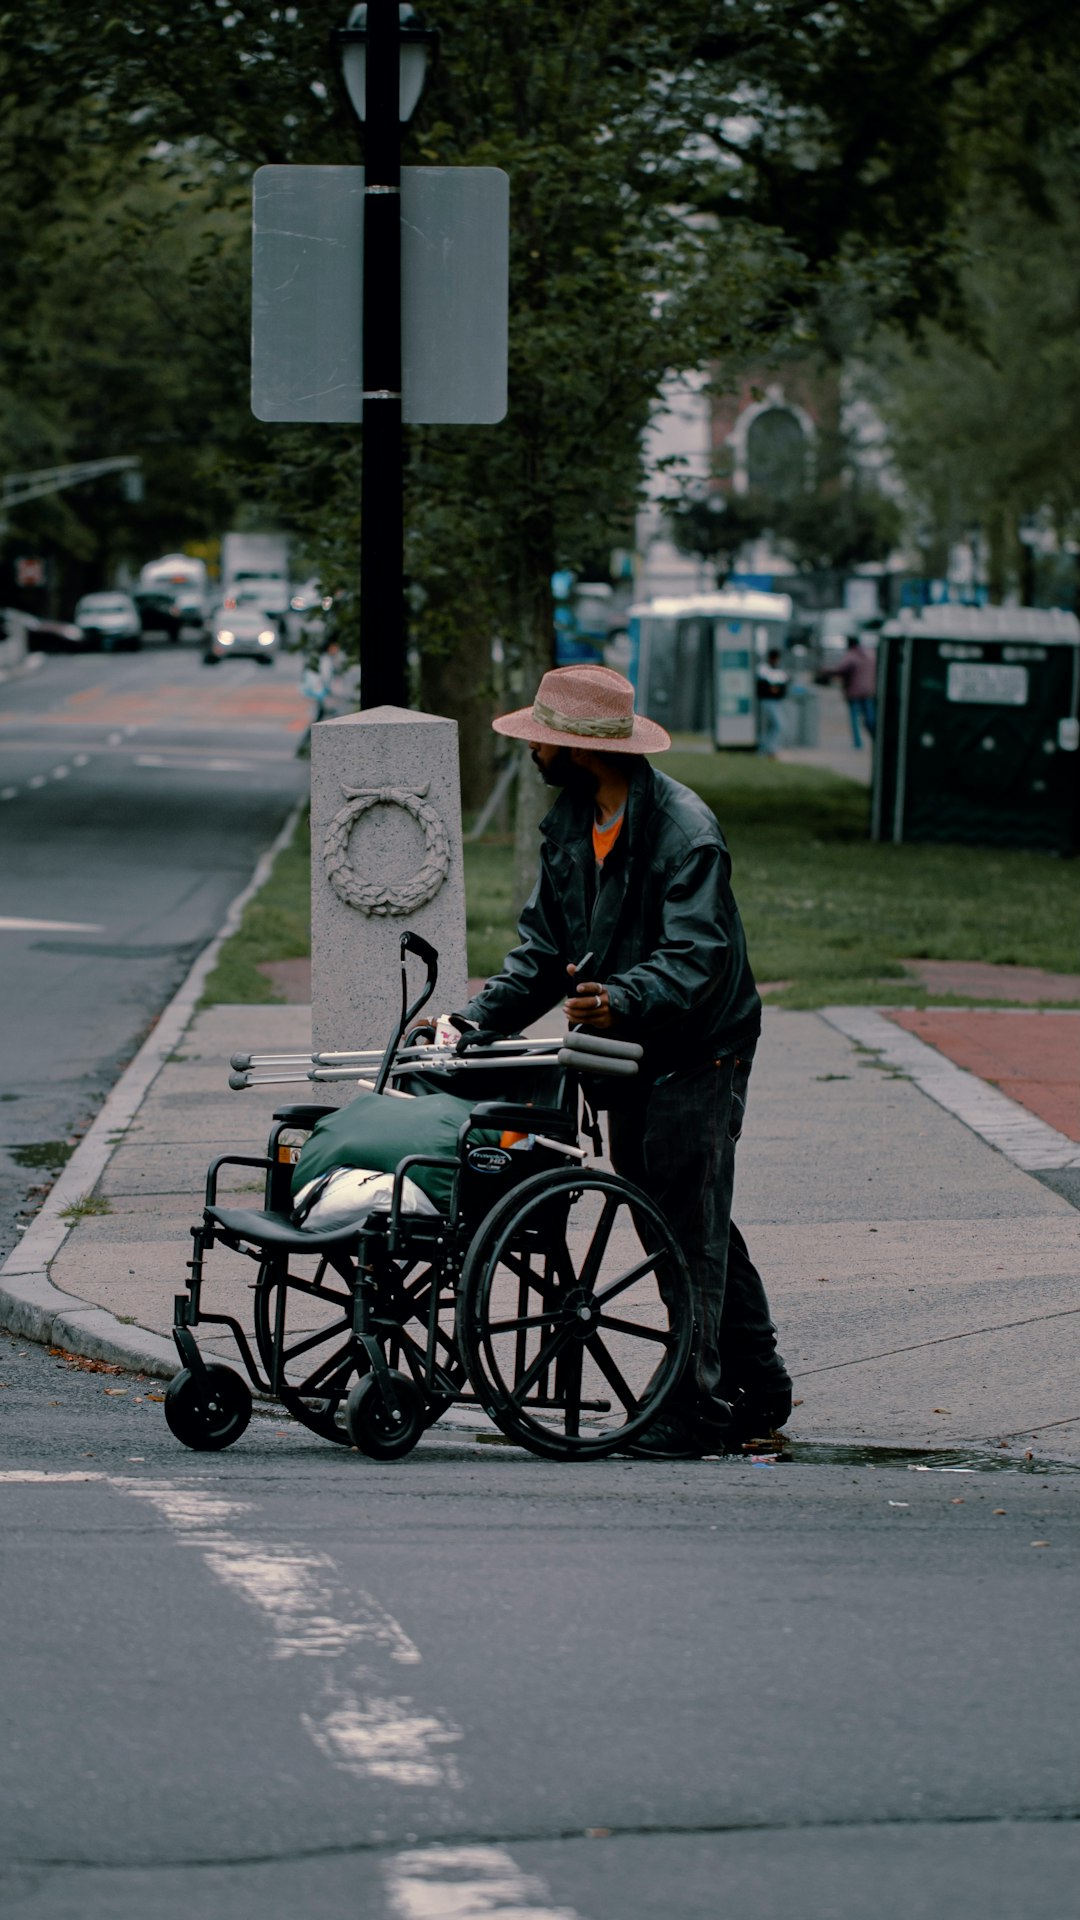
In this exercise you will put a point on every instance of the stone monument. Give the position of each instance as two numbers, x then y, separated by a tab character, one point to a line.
385	858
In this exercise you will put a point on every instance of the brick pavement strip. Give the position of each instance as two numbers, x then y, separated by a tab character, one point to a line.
1032	1057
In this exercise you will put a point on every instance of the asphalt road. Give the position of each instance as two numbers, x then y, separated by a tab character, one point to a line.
286	1679
136	793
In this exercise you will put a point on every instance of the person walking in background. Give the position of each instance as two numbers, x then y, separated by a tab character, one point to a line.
317	685
857	674
772	686
317	679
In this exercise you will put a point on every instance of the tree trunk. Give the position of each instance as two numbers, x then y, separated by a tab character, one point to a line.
536	653
1027	574
1005	567
457	686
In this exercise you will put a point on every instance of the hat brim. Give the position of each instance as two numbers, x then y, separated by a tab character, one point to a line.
647	736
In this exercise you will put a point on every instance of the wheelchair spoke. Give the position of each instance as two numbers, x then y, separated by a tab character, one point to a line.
416	1360
525	1320
343	1358
520	1264
543	1360
599	1243
638	1332
568	1388
627	1279
611	1373
315	1339
297	1284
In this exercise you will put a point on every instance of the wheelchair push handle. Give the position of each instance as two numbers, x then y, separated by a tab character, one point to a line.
423	949
579	1041
410	943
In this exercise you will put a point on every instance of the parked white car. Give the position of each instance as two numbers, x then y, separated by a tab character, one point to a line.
110	621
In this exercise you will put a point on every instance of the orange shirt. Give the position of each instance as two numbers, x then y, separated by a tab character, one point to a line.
605	836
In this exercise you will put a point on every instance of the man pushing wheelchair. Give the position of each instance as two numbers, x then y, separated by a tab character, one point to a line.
633	920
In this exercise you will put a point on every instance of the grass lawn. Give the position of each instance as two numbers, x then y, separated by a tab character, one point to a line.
834	913
276	926
827	911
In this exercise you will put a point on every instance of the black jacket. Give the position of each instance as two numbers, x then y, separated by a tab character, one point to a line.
662	925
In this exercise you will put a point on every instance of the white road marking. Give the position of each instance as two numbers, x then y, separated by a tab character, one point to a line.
28	1477
367	1734
1030	1143
361	1724
466	1883
81	760
38	780
114	739
60	773
10	925
9	793
192	766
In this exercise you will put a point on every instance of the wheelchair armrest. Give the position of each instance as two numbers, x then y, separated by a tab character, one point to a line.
231	1160
302	1116
400	1173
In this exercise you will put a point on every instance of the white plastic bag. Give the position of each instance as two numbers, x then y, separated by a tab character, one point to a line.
349	1194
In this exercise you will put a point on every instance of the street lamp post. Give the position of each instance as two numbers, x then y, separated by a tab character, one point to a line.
384	51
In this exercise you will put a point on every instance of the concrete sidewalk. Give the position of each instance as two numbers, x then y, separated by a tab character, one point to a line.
924	1283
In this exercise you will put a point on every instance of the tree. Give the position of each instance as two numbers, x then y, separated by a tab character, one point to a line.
690	178
123	323
716	526
984	426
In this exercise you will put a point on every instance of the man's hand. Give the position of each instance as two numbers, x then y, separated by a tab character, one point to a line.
588	1005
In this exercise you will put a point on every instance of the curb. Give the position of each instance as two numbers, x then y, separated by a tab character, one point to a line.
30	1306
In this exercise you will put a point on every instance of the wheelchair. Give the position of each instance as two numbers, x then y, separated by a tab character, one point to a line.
549	1294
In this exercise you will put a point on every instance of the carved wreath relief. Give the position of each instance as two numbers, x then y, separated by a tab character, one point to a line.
382	898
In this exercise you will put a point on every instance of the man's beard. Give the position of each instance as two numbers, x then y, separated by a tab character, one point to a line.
564	771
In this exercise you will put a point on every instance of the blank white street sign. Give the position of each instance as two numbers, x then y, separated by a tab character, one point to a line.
307	285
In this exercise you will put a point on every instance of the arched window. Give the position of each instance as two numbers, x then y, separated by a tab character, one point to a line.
776	454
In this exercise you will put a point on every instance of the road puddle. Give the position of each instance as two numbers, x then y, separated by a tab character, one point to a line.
49	1155
966	1460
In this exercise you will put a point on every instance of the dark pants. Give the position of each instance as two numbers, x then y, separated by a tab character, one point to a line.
677	1142
866	710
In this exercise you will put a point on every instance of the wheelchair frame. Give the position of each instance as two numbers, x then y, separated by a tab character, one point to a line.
394	1365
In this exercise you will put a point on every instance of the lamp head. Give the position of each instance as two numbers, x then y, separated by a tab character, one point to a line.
415	40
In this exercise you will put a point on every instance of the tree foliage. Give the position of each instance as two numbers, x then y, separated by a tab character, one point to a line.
690	179
984	426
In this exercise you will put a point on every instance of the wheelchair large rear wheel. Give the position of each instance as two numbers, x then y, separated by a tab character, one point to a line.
303	1331
575	1316
304	1335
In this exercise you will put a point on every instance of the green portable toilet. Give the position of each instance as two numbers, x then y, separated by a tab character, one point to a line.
978	728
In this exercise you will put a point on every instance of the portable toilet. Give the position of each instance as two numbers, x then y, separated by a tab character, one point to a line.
694	660
978	728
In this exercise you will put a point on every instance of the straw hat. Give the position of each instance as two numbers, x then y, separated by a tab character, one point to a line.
585	707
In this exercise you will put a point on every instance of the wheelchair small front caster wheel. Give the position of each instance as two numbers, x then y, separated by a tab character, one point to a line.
210	1413
371	1422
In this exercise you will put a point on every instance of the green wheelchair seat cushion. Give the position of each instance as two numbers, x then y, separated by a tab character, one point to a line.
378	1131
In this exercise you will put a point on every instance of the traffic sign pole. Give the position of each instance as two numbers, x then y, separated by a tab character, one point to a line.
382	580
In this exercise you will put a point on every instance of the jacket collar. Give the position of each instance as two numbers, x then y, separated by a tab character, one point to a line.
568	821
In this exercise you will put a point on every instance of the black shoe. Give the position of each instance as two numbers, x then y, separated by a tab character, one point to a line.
757	1413
669	1439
